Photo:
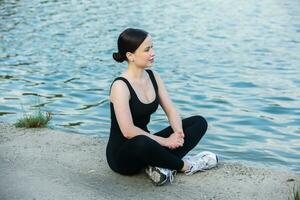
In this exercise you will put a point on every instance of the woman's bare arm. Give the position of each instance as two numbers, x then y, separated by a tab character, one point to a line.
167	105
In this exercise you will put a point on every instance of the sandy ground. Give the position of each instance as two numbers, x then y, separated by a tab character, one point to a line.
45	164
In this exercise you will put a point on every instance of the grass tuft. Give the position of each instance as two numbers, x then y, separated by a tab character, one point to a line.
295	193
37	120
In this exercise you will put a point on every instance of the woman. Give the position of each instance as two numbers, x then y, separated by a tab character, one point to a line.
134	96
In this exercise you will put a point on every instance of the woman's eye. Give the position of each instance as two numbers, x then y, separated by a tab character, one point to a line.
147	49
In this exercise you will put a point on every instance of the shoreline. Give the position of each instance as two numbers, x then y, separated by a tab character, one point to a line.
49	164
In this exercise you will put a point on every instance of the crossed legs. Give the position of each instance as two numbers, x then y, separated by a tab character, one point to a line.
140	151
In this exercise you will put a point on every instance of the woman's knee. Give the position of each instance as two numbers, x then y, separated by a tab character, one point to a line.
200	121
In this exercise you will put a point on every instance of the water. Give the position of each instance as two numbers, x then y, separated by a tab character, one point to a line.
234	62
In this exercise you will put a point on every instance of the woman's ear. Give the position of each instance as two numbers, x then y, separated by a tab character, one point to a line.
130	56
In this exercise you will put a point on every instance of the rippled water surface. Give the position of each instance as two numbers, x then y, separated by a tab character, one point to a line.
235	62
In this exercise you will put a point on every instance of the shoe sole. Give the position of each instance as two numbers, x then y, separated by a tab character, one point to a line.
157	178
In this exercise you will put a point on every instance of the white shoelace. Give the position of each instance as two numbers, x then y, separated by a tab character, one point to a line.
172	175
169	173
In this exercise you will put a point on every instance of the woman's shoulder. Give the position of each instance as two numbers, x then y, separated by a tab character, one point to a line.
119	84
119	90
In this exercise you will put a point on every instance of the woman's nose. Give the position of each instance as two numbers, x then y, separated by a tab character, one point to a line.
152	53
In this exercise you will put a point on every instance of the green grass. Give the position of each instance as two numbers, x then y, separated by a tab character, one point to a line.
37	120
295	193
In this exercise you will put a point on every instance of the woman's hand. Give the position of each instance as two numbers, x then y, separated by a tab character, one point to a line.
175	140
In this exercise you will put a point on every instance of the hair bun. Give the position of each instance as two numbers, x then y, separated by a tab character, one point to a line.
118	57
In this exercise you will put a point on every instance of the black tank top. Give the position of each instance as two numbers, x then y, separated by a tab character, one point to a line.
140	112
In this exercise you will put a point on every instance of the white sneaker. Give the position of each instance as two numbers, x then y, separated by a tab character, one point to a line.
160	176
202	161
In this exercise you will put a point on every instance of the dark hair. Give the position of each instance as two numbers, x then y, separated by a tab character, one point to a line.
128	41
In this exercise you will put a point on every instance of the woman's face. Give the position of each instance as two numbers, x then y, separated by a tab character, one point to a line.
144	55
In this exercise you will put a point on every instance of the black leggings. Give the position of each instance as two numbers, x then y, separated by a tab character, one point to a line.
140	151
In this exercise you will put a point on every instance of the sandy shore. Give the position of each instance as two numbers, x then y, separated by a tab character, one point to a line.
45	164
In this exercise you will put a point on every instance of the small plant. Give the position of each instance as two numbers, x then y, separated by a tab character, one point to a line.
295	193
37	120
